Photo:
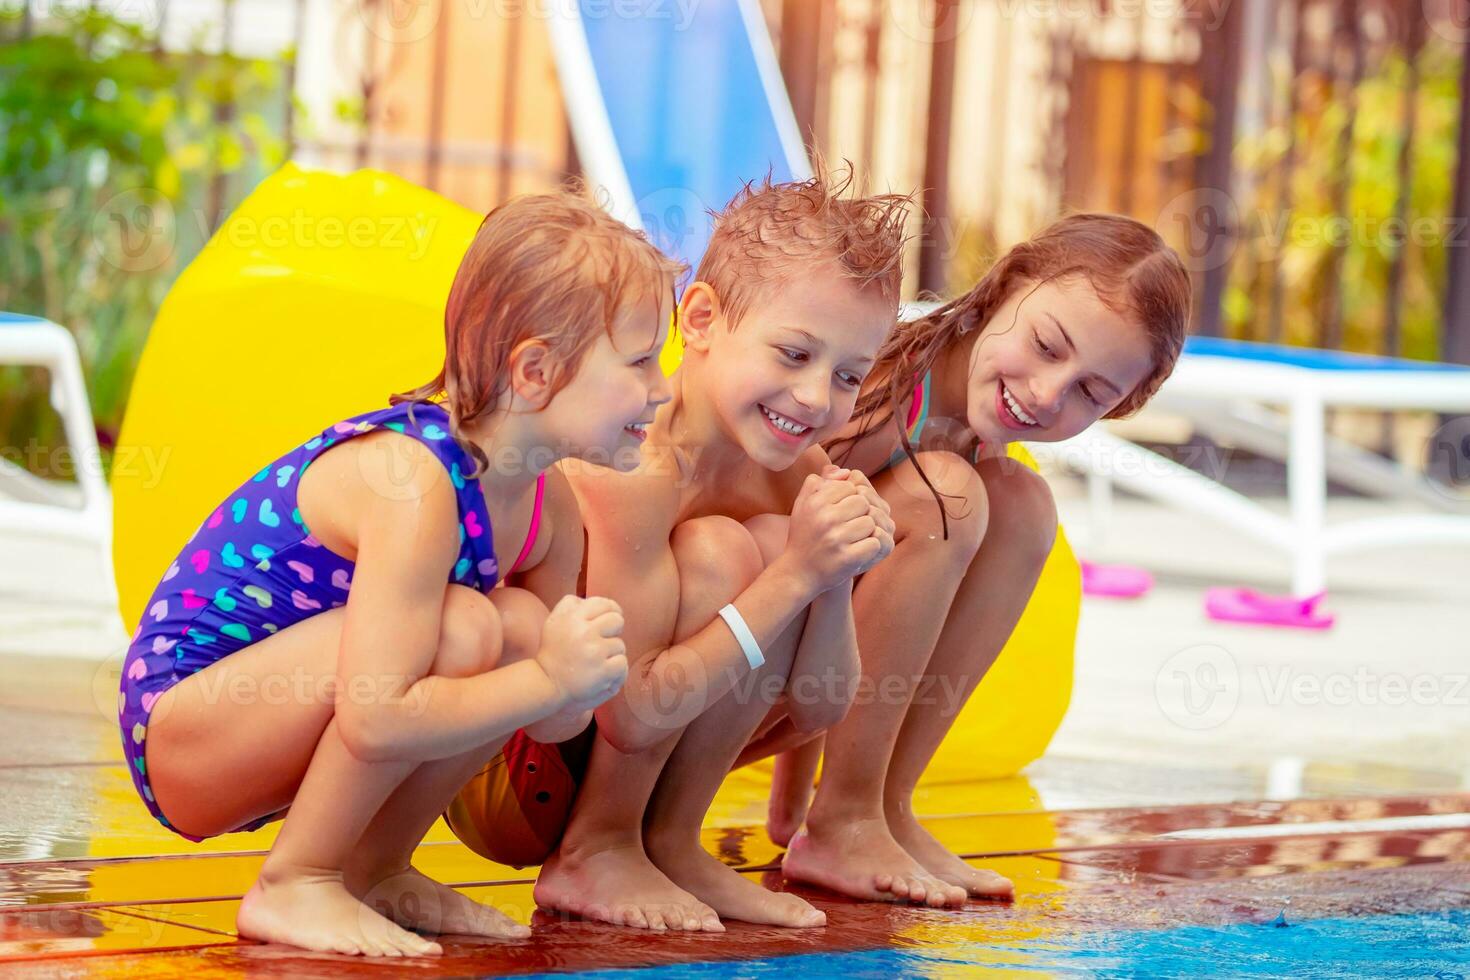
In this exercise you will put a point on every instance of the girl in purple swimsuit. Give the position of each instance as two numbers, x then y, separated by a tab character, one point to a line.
331	646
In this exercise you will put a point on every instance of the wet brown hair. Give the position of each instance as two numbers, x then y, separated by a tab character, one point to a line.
552	268
1130	266
772	233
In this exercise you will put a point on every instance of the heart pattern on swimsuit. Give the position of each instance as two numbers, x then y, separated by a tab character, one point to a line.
219	578
301	600
228	555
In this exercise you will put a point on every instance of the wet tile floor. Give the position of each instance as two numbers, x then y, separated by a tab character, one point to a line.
89	886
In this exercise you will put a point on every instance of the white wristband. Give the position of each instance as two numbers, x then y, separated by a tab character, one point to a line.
746	638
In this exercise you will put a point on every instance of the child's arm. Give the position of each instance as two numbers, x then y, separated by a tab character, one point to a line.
631	561
389	706
825	673
553	577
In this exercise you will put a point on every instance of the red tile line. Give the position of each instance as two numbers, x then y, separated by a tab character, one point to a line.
1425	802
1049	853
170	922
1151	842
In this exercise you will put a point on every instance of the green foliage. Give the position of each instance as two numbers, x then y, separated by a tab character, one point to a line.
1299	245
116	162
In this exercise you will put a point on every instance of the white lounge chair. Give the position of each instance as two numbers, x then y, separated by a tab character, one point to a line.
1227	389
32	505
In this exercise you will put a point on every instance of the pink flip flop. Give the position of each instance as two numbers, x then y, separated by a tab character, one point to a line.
1115	581
1250	606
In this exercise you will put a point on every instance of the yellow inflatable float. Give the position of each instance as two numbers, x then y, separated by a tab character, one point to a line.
324	293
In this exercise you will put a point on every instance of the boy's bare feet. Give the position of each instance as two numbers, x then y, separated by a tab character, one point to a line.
416	901
619	885
314	910
786	812
729	893
860	858
943	863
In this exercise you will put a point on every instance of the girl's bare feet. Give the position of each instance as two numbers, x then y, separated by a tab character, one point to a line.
314	910
860	858
619	885
943	863
786	811
792	778
416	901
729	893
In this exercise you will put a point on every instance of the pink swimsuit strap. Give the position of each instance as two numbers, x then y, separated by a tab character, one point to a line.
916	405
535	525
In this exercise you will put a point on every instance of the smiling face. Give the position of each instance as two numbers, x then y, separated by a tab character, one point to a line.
788	375
605	409
1051	361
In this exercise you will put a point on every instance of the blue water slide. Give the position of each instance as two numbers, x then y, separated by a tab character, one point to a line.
674	105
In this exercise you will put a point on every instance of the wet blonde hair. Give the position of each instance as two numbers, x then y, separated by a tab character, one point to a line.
772	233
552	268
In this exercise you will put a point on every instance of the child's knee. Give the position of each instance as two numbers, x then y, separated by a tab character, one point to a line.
716	556
522	615
1023	511
962	494
770	532
470	634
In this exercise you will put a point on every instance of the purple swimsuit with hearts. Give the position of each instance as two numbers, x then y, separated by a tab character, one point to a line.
253	568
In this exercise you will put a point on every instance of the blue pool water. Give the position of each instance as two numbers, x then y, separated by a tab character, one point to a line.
1432	945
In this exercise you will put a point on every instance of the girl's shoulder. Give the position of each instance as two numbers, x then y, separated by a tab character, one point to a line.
380	464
